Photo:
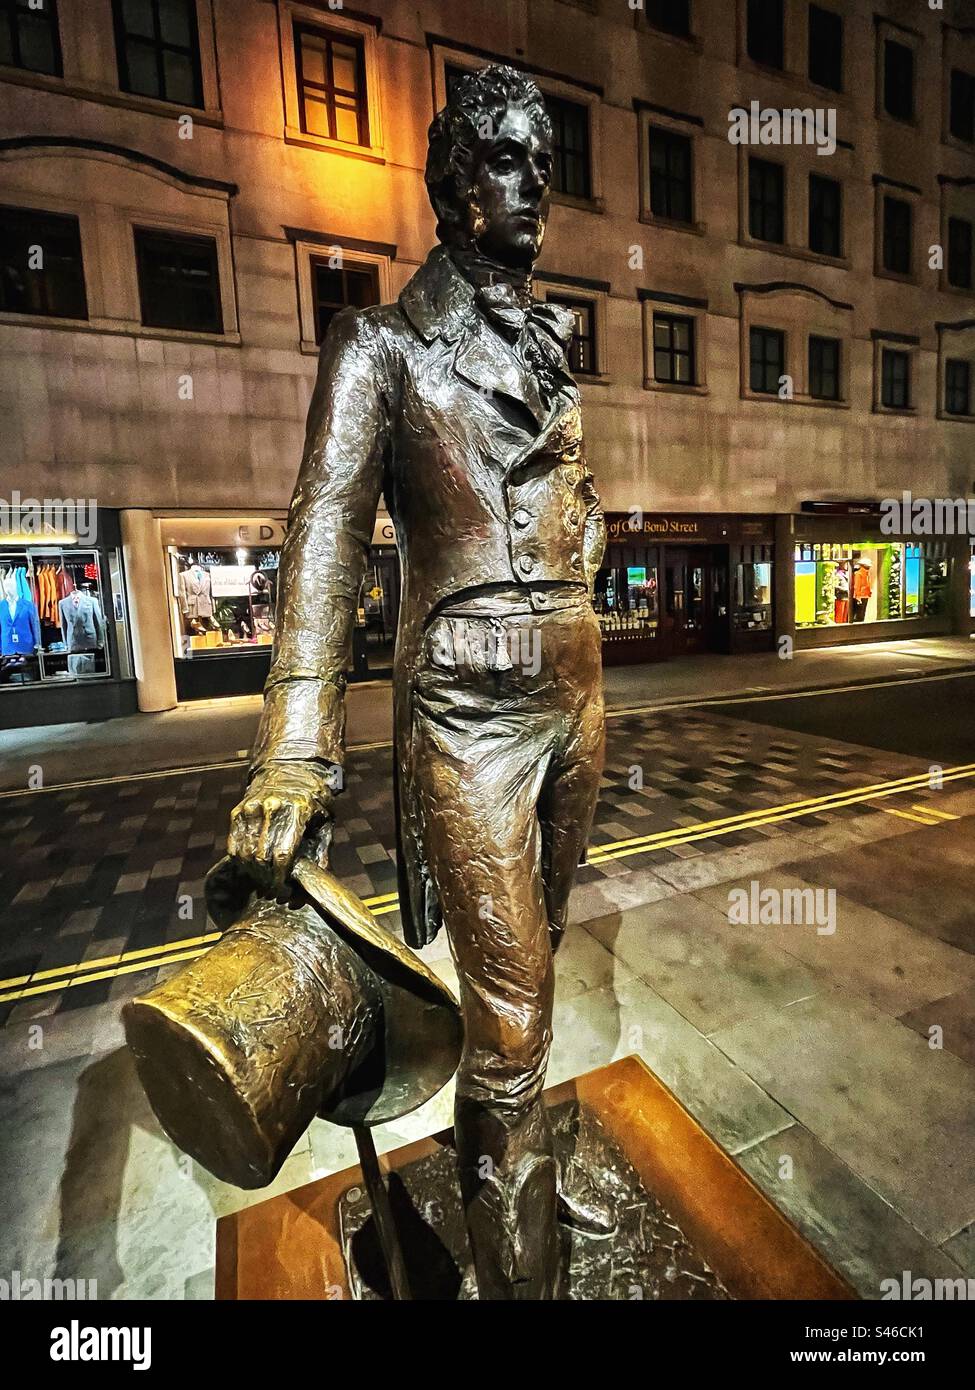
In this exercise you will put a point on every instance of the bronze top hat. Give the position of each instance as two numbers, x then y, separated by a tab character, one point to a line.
303	1008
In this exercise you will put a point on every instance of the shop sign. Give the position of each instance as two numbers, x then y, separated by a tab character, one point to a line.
632	526
383	532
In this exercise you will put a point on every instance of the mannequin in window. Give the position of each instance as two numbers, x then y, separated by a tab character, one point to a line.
195	594
83	626
862	589
20	627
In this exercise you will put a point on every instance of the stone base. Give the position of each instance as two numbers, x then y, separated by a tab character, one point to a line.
691	1224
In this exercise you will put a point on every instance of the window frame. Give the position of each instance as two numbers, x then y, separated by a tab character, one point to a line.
48	316
9	13
883	242
670	137
159	47
655	27
816	9
307	248
672	318
361	96
141	232
560	152
567	298
319	261
815	179
295	13
954	71
888	35
887	353
951	414
818	340
966	285
754	161
746	28
762	392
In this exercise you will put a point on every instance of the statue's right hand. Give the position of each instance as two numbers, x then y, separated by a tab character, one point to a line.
267	826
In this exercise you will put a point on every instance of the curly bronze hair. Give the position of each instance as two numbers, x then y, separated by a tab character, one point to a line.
457	129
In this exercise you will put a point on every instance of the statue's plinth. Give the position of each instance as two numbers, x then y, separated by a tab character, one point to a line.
691	1223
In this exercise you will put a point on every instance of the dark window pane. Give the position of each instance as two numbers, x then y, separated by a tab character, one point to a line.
179	78
332	85
174	23
825	48
824	369
673	358
671	175
766	200
960	253
29	38
571	168
582	349
767	360
958	383
897	236
143	70
672	16
825	216
895	379
962	121
139	18
41	269
158	50
335	288
765	32
898	80
179	283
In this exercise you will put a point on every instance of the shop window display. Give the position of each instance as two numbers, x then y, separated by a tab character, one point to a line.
224	599
840	583
753	596
52	617
627	602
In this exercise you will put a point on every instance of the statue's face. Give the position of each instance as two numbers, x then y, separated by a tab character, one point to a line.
511	178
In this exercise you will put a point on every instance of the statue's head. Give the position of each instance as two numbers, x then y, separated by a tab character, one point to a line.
489	167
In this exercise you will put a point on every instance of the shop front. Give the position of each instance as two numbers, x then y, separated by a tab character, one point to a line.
222	594
64	642
853	582
675	584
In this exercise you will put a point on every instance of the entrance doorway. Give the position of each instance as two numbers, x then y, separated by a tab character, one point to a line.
696	598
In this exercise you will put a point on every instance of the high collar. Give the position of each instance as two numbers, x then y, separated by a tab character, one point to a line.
439	303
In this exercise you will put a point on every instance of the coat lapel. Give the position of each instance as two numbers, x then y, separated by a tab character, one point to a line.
486	361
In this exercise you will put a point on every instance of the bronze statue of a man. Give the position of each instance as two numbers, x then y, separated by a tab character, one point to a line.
457	405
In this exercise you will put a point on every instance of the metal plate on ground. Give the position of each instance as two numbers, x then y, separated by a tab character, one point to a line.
648	1256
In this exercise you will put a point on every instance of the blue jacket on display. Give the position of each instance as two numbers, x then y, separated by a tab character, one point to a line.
20	631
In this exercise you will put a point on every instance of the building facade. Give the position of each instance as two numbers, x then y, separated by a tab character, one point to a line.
775	311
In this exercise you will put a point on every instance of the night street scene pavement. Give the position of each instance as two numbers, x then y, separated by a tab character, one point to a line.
412	382
810	1041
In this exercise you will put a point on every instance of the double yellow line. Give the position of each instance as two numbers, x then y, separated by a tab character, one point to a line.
150	957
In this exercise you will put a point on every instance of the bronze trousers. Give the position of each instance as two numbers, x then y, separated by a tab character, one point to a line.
508	743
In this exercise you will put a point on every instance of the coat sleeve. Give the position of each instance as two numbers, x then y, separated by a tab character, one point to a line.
594	533
326	548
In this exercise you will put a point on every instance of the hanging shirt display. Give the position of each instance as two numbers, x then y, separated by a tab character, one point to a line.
20	628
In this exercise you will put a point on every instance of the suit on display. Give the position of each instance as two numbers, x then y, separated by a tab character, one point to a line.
458	406
195	593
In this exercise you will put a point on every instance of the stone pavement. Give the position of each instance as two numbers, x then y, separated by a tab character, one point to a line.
807	1055
204	732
